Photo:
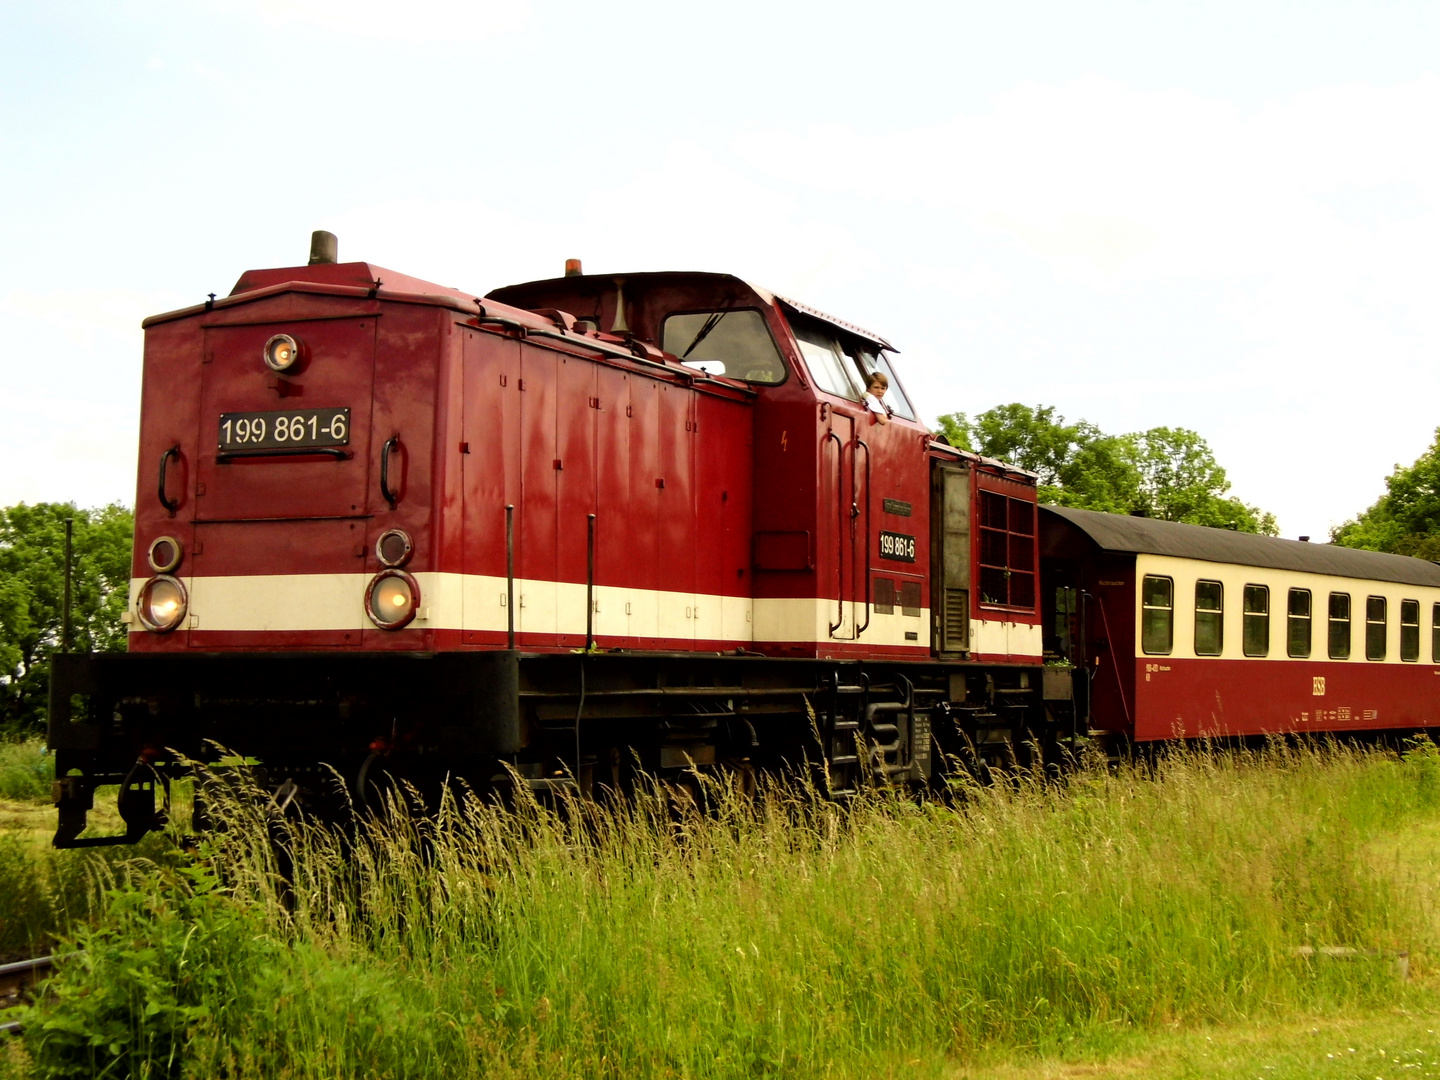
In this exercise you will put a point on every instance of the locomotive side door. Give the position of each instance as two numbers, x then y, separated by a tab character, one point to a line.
490	468
950	558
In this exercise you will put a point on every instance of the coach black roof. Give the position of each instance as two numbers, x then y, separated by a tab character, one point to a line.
1118	532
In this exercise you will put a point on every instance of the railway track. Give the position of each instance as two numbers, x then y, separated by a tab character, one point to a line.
17	982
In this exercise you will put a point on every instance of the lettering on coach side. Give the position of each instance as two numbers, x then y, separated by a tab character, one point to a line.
1317	685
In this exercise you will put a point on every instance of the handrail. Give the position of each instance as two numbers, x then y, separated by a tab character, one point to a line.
510	575
390	444
165	457
589	586
840	563
865	558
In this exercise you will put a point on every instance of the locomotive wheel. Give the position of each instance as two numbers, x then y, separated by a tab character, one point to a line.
382	778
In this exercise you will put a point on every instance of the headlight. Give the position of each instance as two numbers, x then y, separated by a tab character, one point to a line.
165	554
282	353
161	604
393	548
391	599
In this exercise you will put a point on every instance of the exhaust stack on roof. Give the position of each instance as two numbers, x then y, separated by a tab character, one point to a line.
324	248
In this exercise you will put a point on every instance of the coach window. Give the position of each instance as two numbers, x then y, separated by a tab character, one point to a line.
1410	630
1339	626
1157	615
735	343
1435	634
1298	619
1376	619
1209	618
1257	621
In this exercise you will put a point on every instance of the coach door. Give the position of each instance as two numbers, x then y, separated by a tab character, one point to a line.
950	558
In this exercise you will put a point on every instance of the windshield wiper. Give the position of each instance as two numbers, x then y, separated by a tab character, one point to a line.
710	324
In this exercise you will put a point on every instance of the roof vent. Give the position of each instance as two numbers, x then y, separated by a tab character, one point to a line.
1304	539
324	248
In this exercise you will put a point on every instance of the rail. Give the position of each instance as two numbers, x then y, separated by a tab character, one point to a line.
15	979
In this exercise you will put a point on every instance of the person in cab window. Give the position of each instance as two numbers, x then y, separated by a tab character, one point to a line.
875	397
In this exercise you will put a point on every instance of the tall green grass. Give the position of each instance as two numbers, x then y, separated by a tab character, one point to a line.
774	936
26	770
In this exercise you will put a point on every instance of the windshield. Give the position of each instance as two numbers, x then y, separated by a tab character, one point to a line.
735	343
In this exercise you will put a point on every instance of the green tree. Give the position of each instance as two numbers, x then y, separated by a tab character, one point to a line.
1077	464
1406	519
32	593
1180	480
1167	473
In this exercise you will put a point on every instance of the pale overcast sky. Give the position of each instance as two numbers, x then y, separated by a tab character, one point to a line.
1222	215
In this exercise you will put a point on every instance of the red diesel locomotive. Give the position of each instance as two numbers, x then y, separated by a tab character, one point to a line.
595	523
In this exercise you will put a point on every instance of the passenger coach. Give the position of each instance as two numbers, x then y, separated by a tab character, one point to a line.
1189	631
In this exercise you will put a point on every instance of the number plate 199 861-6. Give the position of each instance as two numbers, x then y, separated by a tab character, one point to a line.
898	546
297	430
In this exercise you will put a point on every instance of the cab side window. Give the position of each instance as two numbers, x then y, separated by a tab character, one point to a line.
870	362
832	370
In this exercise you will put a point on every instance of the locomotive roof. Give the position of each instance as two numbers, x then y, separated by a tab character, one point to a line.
1121	533
585	283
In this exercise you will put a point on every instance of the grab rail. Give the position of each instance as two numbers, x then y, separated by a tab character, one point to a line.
390	444
865	559
840	562
165	457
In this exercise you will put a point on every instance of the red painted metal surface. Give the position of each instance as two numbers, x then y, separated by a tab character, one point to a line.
480	406
1190	698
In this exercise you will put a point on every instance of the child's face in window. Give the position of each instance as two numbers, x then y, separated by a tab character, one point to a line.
877	389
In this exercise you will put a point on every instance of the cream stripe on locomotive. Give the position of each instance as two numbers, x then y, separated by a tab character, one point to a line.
300	602
1186	572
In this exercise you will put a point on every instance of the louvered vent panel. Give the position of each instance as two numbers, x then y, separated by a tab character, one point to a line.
956	627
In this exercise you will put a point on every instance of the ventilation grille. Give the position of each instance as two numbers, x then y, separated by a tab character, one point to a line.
955	627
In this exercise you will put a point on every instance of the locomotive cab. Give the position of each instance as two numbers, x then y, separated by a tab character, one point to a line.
838	555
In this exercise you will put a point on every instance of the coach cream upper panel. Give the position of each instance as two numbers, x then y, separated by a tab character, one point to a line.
1233	579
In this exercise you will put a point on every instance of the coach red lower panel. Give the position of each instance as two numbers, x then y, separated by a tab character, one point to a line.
1190	697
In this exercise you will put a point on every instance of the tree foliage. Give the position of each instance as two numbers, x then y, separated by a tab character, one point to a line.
1406	519
1166	473
32	591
